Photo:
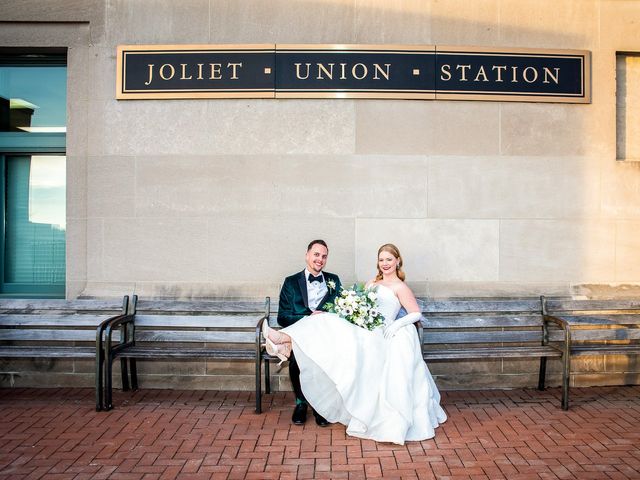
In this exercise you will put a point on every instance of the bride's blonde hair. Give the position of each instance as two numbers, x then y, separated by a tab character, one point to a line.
393	250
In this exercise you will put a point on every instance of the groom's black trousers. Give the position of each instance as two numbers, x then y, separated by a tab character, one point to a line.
294	375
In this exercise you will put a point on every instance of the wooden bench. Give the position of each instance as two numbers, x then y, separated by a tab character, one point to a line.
58	329
593	327
481	329
213	330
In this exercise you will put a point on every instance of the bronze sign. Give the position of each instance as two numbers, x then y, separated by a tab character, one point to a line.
353	71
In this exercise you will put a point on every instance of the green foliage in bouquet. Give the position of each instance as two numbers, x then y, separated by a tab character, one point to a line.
358	305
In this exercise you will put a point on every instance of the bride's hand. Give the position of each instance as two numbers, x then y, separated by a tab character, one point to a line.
391	330
408	319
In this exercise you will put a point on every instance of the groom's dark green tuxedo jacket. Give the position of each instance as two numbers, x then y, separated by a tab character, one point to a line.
294	303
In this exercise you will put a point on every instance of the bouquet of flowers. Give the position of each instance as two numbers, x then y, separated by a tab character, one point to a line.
358	305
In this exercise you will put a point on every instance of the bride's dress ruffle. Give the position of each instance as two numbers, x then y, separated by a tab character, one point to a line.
380	389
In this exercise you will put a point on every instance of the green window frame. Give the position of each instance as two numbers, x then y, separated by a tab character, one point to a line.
15	146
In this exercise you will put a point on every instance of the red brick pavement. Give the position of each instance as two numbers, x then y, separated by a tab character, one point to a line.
166	434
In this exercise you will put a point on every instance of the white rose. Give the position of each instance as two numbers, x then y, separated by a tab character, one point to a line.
372	296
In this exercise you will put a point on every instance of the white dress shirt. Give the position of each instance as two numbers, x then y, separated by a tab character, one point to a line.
315	290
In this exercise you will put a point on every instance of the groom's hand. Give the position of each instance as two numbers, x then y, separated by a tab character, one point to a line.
315	312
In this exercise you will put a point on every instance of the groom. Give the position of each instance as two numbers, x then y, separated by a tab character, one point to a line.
303	294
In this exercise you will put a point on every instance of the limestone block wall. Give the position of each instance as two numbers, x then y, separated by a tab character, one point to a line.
189	198
483	198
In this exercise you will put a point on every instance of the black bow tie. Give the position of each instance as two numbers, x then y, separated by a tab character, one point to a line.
315	279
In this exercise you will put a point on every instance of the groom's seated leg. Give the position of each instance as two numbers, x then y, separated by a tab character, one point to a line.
300	412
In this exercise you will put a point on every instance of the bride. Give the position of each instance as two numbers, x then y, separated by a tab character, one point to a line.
374	382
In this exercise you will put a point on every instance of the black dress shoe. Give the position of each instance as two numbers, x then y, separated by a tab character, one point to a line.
299	414
320	420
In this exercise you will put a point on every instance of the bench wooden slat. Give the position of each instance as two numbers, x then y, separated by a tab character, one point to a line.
531	305
145	307
431	337
33	306
489	352
157	352
605	349
48	335
15	351
606	334
194	336
576	305
473	321
44	320
597	320
556	335
198	321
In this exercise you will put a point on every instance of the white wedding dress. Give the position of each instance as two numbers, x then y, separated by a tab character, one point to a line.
381	389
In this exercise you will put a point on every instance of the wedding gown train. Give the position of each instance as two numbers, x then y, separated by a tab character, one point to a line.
381	389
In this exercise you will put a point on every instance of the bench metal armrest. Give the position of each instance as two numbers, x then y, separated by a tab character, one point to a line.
123	321
259	341
566	352
101	354
103	325
546	318
258	359
558	321
102	328
264	318
563	324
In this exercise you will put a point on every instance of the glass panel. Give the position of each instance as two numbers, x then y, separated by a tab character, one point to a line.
33	99
628	106
35	220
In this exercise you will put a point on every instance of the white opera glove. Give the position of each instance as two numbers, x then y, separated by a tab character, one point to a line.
408	319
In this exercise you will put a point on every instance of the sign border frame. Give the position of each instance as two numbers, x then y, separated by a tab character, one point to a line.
274	93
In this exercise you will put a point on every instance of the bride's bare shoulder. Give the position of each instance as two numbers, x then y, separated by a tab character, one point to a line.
395	287
403	289
370	283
